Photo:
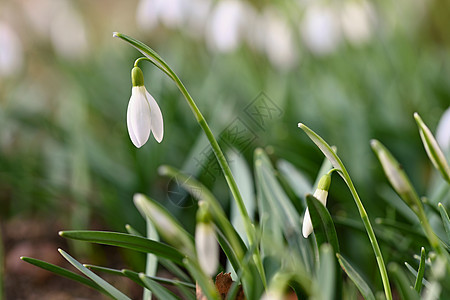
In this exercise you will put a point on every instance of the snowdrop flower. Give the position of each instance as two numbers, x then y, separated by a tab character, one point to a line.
321	194
143	114
205	242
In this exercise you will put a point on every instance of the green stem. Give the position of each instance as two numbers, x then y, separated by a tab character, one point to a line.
162	65
371	234
337	163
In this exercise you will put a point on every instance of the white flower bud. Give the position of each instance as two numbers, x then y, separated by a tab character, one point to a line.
207	248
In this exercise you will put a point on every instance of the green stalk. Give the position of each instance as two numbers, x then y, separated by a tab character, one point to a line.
337	163
371	234
162	65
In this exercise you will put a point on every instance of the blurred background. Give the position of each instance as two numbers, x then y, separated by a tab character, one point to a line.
351	70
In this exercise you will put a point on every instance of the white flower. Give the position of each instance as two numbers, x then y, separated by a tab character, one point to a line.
321	194
207	248
143	114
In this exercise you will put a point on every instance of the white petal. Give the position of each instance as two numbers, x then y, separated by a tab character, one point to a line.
138	116
443	131
207	248
307	225
321	195
156	118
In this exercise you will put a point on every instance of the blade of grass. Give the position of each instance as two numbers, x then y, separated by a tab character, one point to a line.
112	291
159	291
402	283
155	278
64	273
415	273
357	279
327	275
279	207
445	220
420	271
125	241
152	260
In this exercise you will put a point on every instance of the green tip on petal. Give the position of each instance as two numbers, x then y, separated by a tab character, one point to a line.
137	77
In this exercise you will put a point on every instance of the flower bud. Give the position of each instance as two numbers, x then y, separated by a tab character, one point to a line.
434	152
321	194
205	241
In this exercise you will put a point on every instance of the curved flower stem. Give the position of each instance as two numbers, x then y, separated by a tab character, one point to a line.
339	166
154	58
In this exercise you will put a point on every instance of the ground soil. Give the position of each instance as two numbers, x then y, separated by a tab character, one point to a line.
38	238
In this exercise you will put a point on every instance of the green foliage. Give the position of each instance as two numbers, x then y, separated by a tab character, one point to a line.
265	249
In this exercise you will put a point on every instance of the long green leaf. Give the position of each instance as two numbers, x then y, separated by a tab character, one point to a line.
63	272
159	291
327	273
445	220
402	282
280	208
125	241
112	291
420	271
155	278
323	225
414	273
357	279
296	179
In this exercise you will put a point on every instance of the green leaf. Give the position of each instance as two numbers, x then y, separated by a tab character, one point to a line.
324	147
323	225
125	241
300	184
402	282
112	291
445	220
244	181
132	230
420	271
326	275
277	206
206	284
152	260
155	278
63	272
168	227
425	282
357	279
159	291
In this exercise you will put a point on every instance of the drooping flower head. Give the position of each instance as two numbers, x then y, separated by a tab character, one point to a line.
321	194
143	114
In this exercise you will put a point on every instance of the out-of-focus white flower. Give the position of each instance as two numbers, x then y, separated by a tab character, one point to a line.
68	33
224	29
278	40
143	114
321	194
171	13
197	17
207	248
320	29
271	295
356	23
443	131
11	53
